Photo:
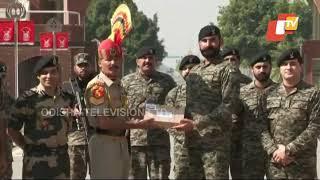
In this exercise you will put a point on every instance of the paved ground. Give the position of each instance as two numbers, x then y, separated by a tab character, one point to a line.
17	165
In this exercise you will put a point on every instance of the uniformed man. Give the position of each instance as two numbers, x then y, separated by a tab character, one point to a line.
252	154
150	149
293	122
232	55
77	137
212	91
6	101
177	98
43	112
108	146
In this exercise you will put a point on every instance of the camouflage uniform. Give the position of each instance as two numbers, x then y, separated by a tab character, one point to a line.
6	102
77	142
252	154
212	90
149	147
294	121
235	164
45	135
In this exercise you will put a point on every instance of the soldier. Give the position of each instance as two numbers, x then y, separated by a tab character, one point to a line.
252	154
77	137
212	91
150	149
232	55
293	122
6	101
177	98
43	112
108	146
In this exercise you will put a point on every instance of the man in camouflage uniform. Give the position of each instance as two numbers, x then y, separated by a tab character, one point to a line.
176	98
212	93
292	122
43	112
77	137
5	143
108	146
252	154
232	55
150	149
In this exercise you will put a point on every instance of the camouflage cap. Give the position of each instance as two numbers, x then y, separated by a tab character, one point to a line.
45	61
81	58
289	55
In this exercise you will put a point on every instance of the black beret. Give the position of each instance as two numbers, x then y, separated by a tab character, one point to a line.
145	51
189	59
45	61
289	55
3	67
209	30
261	57
231	51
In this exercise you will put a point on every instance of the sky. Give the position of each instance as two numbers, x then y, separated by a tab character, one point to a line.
179	22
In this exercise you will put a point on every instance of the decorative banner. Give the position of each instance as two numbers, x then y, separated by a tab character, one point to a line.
62	40
46	41
6	32
26	32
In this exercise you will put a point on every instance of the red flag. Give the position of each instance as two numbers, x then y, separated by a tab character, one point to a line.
26	32
271	32
6	32
62	40
46	40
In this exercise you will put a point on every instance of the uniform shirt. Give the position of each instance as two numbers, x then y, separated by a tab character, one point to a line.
140	90
103	96
212	91
43	117
6	103
293	120
76	136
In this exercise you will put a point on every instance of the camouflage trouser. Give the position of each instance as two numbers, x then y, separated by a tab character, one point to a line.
253	161
79	161
152	159
46	164
303	169
235	163
8	174
216	164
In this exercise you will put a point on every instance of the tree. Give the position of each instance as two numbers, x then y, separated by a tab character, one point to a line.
144	30
244	25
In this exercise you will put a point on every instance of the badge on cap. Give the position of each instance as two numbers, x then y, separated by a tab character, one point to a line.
54	61
291	55
97	94
264	58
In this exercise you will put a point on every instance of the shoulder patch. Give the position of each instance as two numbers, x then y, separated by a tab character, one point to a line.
97	93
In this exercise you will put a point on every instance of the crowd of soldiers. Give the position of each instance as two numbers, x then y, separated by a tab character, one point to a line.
255	128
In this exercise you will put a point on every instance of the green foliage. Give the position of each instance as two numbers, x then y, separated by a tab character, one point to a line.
144	30
244	25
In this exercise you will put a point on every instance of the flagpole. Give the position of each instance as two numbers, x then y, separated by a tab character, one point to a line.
16	57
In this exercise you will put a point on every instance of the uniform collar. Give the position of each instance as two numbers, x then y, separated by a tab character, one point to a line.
40	90
107	80
282	88
216	61
154	75
252	85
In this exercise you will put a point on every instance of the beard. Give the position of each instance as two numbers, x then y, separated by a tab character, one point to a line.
210	52
263	77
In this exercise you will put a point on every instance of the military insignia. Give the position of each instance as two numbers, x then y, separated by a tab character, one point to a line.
98	93
54	61
264	58
233	52
291	55
112	52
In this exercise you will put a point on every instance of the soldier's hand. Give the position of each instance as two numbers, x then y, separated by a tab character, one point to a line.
184	125
287	160
147	123
280	153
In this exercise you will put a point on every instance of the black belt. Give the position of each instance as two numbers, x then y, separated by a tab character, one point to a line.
110	132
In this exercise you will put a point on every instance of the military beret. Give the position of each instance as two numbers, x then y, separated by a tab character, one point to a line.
229	52
289	55
45	61
3	67
187	60
261	57
81	58
209	30
146	50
